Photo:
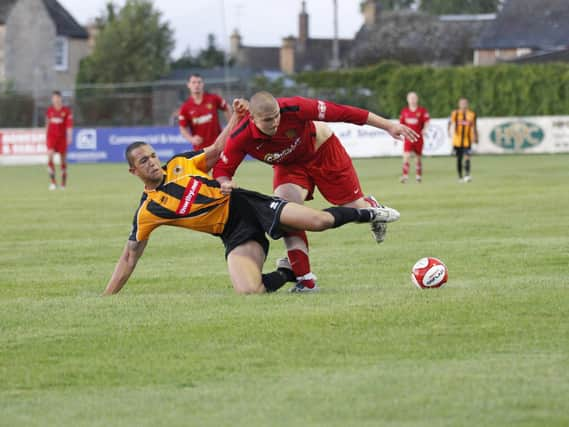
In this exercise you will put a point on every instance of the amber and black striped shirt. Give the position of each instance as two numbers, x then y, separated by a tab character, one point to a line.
188	197
464	128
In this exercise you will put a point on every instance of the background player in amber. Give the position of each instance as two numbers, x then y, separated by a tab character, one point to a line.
417	118
198	118
58	126
181	194
462	127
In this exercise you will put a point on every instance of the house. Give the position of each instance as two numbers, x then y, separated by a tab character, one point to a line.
404	35
295	54
526	31
41	45
413	37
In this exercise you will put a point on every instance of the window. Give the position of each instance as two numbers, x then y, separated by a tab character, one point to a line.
61	54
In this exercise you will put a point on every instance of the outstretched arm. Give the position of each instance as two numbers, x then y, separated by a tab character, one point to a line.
396	130
125	266
240	108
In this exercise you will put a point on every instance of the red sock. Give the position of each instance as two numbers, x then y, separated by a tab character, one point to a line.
405	168
301	263
51	171
63	174
418	168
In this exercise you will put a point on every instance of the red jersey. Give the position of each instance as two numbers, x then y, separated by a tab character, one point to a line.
293	143
202	118
58	121
415	119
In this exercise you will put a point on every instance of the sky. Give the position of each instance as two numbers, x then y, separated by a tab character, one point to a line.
260	22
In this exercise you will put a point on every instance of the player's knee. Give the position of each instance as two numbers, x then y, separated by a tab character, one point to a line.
249	288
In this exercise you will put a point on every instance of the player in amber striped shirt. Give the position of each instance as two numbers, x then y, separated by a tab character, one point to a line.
462	127
182	194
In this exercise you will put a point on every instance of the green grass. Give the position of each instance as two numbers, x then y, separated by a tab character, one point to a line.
178	347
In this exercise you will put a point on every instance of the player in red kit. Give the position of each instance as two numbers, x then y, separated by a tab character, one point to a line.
198	119
289	134
417	118
58	124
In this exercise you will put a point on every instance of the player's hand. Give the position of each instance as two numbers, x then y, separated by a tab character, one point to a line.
227	187
240	106
197	140
400	131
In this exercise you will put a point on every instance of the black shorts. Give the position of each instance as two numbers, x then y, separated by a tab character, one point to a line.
462	151
251	215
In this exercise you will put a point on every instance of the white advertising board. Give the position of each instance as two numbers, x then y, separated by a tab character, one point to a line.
497	135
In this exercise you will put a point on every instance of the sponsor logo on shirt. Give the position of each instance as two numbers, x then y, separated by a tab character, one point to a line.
190	194
411	120
56	120
321	110
291	133
277	157
202	119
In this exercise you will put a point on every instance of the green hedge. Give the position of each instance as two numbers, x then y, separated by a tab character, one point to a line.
501	90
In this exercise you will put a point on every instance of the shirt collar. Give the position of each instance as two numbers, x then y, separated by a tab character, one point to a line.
257	134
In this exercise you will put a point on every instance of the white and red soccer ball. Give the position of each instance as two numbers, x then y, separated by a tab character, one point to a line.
429	273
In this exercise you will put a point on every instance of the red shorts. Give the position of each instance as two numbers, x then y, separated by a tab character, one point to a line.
331	170
59	145
415	147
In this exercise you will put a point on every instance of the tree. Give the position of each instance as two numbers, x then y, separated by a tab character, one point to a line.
441	7
392	4
133	45
186	60
211	56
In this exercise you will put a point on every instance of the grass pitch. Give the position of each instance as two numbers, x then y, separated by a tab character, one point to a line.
178	347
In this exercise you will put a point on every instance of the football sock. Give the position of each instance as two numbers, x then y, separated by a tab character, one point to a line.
63	174
51	171
344	215
467	167
275	280
418	167
405	168
300	264
459	165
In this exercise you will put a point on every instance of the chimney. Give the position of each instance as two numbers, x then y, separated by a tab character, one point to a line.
302	28
234	43
288	50
371	9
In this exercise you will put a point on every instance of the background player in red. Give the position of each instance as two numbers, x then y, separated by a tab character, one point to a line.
198	118
289	134
58	125
417	118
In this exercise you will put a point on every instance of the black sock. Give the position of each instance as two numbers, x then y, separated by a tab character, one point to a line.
467	167
344	215
459	165
275	280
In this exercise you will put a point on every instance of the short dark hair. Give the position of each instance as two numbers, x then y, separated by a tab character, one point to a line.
129	150
198	75
56	92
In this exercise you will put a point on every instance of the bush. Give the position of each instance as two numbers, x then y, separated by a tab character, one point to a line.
501	90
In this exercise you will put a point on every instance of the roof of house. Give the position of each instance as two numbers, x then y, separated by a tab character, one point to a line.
260	57
5	7
554	55
210	75
318	53
528	24
413	37
65	24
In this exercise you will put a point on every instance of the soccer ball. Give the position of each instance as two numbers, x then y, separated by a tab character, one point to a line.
429	273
